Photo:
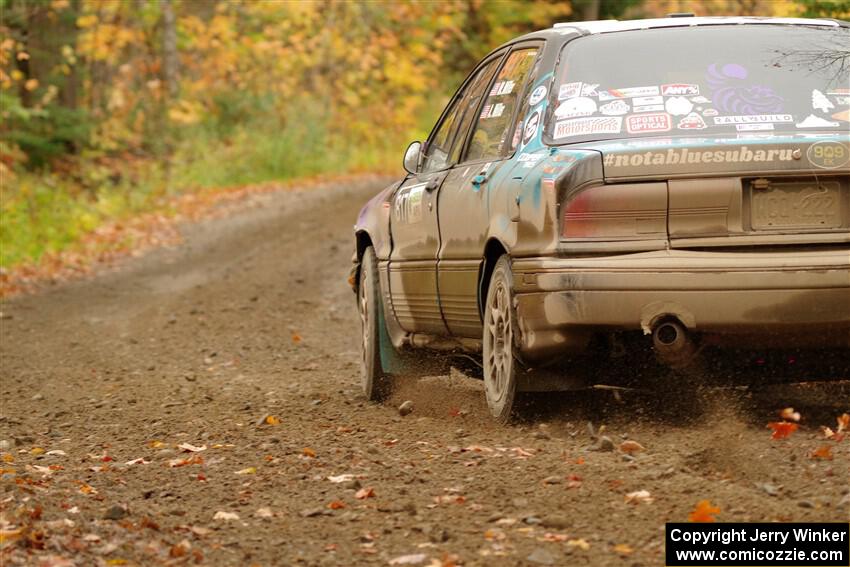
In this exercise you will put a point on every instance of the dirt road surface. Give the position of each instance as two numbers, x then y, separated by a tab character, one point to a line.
243	342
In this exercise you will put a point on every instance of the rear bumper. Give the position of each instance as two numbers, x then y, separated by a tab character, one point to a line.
561	301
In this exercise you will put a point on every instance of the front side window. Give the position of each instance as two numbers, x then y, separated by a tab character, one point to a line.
491	135
743	79
446	142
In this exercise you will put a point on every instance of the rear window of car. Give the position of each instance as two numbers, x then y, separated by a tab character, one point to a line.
738	79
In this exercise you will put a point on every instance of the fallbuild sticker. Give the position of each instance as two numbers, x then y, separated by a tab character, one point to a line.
585	126
753	119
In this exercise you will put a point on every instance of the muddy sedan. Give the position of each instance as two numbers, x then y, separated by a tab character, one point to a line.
608	188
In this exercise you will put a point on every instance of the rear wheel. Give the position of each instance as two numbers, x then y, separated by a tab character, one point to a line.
499	348
375	382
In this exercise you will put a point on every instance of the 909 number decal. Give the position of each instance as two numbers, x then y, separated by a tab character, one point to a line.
828	154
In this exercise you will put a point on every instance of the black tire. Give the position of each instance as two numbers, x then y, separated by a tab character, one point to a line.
376	383
500	344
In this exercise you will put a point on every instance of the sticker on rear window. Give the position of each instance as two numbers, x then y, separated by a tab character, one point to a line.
574	107
813	121
753	119
678	89
692	121
585	126
640	123
614	108
820	102
629	92
678	106
569	90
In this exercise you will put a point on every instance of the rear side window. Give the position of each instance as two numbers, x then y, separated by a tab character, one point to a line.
749	80
492	135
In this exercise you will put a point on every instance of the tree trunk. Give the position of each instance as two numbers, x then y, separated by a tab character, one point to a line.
169	49
589	10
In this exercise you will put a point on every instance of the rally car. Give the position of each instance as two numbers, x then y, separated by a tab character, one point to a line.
682	182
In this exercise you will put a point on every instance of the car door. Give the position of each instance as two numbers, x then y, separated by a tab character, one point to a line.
413	218
464	206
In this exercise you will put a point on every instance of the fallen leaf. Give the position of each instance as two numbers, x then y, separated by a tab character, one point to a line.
189	448
827	432
843	422
308	452
790	414
195	460
249	470
637	497
364	493
553	537
782	429
155	444
623	549
580	461
824	452
272	420
36	451
226	516
414	559
180	548
264	513
7	535
87	488
703	512
631	447
57	453
139	461
341	478
296	338
8	458
580	543
336	505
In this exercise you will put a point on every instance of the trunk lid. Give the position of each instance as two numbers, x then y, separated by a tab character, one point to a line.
743	191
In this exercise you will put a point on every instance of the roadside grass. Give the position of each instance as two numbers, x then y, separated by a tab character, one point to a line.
43	214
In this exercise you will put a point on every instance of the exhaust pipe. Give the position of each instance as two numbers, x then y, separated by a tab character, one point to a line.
673	345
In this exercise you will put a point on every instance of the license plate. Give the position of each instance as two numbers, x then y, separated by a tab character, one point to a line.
796	205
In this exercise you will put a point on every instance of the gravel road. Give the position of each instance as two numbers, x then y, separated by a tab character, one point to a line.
201	405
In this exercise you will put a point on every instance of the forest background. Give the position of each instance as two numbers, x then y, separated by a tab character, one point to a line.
114	110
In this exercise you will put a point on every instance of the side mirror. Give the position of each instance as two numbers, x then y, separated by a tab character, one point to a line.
411	157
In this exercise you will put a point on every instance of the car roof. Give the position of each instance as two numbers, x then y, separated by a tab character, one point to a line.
609	26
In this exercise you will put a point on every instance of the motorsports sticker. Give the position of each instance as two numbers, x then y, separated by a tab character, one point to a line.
585	126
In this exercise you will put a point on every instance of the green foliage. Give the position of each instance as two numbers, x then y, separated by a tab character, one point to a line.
42	133
839	9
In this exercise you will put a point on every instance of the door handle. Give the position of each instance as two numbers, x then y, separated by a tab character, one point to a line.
478	181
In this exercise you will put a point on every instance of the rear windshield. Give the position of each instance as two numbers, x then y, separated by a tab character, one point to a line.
741	79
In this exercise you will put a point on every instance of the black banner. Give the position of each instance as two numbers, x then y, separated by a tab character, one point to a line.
758	544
